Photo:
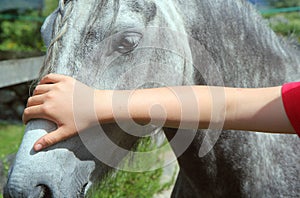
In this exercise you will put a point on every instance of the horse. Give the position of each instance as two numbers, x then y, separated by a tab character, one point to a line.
125	44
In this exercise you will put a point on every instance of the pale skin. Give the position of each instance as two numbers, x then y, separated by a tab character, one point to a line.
249	109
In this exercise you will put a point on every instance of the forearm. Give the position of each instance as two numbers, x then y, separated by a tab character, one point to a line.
242	109
155	105
257	109
172	106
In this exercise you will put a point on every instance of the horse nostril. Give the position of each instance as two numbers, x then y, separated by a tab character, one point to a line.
42	191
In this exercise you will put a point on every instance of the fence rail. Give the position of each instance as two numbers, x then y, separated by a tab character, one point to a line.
280	10
20	70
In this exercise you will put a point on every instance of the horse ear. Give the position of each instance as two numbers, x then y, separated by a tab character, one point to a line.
47	27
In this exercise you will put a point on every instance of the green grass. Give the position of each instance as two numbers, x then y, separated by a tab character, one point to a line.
10	138
116	185
123	184
128	184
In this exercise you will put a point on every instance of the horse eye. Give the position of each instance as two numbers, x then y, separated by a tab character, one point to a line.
127	42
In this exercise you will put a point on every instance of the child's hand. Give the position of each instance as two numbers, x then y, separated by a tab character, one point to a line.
64	101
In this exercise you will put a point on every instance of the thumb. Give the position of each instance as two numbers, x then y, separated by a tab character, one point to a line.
50	139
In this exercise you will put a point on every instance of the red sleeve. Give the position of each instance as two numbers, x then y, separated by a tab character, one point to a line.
291	101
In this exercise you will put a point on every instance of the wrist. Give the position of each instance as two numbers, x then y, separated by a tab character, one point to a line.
103	106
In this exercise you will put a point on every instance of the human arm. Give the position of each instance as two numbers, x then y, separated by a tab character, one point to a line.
250	109
245	109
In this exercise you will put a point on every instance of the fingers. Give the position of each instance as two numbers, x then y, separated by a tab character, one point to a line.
34	112
35	100
51	139
41	89
52	78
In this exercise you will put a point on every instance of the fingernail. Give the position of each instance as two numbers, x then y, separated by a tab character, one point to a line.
38	147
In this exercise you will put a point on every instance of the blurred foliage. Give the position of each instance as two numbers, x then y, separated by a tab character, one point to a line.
50	6
20	36
284	3
285	24
24	35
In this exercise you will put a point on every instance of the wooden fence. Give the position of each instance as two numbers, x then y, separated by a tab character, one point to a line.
20	70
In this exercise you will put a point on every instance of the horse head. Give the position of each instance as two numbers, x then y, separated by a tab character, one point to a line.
106	45
143	43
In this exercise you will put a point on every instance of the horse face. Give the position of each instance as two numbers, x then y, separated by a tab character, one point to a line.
106	45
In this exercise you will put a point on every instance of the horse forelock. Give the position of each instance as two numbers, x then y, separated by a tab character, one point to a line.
150	11
58	30
62	17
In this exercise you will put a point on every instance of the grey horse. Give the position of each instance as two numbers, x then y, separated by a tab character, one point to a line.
122	44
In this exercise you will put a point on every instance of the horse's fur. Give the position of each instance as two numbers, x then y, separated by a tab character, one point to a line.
231	40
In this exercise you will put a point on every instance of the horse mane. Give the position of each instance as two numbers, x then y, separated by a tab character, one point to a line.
60	27
241	26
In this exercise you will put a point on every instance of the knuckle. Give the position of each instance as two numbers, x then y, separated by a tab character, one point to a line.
49	140
45	109
49	75
37	89
46	77
49	96
29	101
57	88
26	112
